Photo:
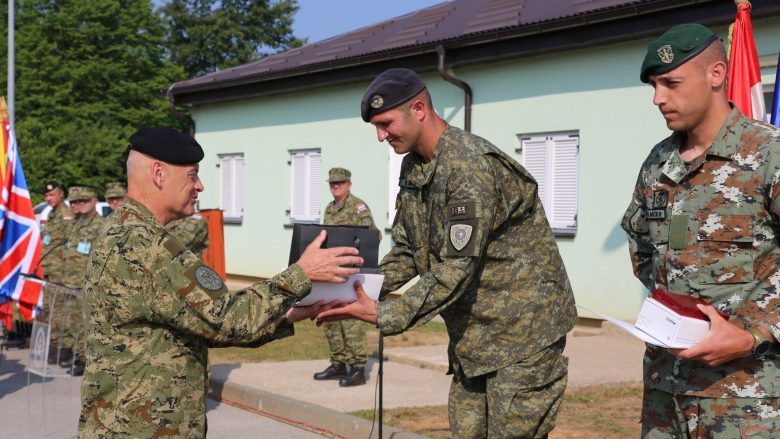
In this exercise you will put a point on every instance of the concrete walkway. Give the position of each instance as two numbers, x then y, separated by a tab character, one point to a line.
413	377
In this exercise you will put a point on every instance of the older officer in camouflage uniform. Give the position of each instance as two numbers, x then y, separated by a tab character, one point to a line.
55	231
86	229
192	232
470	223
703	221
346	338
153	308
115	194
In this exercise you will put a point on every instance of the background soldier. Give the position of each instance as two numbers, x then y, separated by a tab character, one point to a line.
703	221
86	228
346	338
153	308
470	223
115	194
192	232
55	231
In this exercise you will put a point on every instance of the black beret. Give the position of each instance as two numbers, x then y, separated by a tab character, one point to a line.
50	186
167	144
674	48
388	90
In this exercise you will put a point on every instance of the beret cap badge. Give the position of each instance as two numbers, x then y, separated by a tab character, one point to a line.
666	54
377	101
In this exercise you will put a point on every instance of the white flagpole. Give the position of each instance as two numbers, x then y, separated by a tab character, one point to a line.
11	62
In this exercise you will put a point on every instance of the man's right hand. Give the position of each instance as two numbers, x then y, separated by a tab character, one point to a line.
329	264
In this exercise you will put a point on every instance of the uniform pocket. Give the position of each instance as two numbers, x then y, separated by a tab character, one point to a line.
725	248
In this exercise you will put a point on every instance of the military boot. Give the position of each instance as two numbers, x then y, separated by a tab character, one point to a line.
78	366
356	375
333	372
66	357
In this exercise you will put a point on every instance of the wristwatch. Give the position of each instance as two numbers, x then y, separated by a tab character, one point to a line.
761	343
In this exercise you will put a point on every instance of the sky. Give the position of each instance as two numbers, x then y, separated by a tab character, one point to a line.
322	19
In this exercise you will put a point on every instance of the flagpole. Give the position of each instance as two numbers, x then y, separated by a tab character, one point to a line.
11	62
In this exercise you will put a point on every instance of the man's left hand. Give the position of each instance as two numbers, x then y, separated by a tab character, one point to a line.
363	309
724	342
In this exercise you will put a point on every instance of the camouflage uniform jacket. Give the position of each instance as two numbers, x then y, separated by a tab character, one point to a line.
84	232
55	234
192	232
351	212
710	228
472	226
153	308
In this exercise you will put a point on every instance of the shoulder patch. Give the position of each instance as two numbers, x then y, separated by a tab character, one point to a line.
361	207
208	279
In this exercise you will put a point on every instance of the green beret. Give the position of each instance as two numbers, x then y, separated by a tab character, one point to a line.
674	48
50	186
76	193
167	144
388	90
339	174
115	189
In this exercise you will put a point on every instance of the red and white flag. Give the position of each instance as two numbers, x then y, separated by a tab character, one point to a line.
744	84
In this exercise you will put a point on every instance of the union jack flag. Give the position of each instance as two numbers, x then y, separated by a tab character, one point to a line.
20	236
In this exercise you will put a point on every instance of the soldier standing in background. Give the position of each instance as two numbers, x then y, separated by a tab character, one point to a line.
703	221
115	194
85	231
153	308
346	338
471	225
55	231
192	232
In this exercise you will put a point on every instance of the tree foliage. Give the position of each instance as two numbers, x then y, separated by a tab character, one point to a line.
208	35
90	72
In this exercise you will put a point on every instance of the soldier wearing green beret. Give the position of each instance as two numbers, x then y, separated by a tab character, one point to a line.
115	194
471	225
346	338
703	221
153	308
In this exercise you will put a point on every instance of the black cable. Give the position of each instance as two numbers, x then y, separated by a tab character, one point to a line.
378	390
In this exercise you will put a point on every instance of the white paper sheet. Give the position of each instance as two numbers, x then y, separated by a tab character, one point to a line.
631	329
345	292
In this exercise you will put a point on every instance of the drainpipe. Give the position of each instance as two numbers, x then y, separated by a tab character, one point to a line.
179	115
458	83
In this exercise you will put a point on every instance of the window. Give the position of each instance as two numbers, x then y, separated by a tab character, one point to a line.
305	186
394	170
769	96
231	187
552	159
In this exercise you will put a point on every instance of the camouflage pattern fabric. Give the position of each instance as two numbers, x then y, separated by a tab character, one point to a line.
153	308
678	416
709	229
470	223
84	232
525	398
347	338
54	235
192	232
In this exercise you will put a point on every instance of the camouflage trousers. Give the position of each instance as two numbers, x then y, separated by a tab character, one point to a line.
518	401
668	416
347	341
66	322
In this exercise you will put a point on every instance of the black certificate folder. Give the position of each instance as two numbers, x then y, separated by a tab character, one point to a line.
360	237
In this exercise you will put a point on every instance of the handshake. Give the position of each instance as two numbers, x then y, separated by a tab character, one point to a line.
333	265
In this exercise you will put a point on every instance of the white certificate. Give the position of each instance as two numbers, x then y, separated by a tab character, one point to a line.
344	292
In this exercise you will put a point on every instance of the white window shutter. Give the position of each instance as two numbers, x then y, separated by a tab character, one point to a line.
534	159
231	190
393	172
314	185
565	178
305	186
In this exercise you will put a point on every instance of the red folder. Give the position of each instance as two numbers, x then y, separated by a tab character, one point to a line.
683	305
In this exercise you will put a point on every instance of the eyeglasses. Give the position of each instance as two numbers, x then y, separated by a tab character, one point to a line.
336	183
79	202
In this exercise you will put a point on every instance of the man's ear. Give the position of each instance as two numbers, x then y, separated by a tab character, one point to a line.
158	174
717	74
418	109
